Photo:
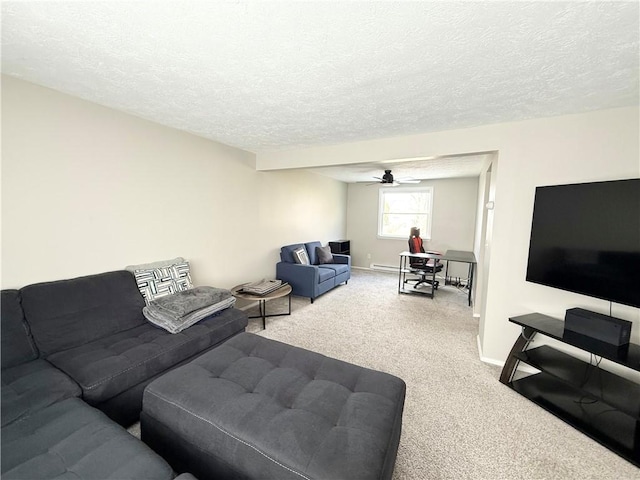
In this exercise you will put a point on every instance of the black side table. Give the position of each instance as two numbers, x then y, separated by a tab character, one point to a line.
341	247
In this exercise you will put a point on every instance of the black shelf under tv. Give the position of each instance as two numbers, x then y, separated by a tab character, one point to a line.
599	403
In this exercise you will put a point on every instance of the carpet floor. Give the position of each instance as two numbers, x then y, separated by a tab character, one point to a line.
459	421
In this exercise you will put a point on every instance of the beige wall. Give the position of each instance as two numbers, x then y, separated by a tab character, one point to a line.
453	225
87	189
602	145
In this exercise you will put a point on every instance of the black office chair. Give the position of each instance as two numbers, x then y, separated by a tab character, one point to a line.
424	267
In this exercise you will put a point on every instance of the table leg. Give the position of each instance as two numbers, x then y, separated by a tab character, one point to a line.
433	280
446	272
470	281
262	311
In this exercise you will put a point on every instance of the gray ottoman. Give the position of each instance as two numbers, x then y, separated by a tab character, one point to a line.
257	408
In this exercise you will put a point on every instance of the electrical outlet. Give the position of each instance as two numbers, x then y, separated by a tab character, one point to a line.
368	256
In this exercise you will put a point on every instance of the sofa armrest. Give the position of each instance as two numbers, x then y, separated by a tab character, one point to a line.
342	259
302	278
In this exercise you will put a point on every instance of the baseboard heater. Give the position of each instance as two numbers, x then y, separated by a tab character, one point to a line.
383	268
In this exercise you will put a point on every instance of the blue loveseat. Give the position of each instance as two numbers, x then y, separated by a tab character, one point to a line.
314	279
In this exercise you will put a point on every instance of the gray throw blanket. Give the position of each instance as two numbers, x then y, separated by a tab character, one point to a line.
180	310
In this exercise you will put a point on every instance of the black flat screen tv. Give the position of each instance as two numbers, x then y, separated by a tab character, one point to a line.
585	238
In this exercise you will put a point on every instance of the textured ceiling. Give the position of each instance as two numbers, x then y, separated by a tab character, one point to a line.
270	75
415	169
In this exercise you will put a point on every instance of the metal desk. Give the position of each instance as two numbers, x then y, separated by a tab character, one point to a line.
405	261
450	256
462	256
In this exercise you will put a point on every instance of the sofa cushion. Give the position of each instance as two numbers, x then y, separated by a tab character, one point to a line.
31	386
286	252
311	248
325	274
73	440
68	313
337	268
17	345
265	409
110	365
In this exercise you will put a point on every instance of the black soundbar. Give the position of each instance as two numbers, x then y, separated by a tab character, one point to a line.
595	325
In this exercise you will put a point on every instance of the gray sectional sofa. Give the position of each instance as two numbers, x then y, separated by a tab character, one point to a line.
70	439
76	352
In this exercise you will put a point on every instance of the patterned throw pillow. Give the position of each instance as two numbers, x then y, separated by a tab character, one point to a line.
300	256
159	282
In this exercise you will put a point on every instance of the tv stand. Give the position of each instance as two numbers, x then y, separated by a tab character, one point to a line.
599	403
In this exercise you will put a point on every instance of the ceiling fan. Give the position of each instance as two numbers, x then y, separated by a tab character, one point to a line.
387	179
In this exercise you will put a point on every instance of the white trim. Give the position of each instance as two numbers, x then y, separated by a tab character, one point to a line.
488	360
523	367
383	268
426	233
368	269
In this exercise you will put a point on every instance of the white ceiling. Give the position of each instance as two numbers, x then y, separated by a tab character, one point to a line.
415	169
270	75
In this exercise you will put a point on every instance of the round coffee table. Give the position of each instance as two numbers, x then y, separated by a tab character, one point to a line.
284	291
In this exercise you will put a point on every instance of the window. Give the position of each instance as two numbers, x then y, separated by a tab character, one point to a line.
401	209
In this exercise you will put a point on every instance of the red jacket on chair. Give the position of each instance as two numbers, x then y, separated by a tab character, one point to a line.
415	246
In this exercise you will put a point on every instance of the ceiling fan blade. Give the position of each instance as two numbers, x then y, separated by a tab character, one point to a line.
409	181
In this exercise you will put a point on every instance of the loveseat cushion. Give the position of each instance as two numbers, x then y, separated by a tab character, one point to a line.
68	313
325	274
17	345
258	408
111	365
311	249
73	440
337	268
32	386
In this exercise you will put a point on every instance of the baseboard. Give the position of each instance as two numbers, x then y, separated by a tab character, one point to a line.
367	269
490	361
379	267
500	363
